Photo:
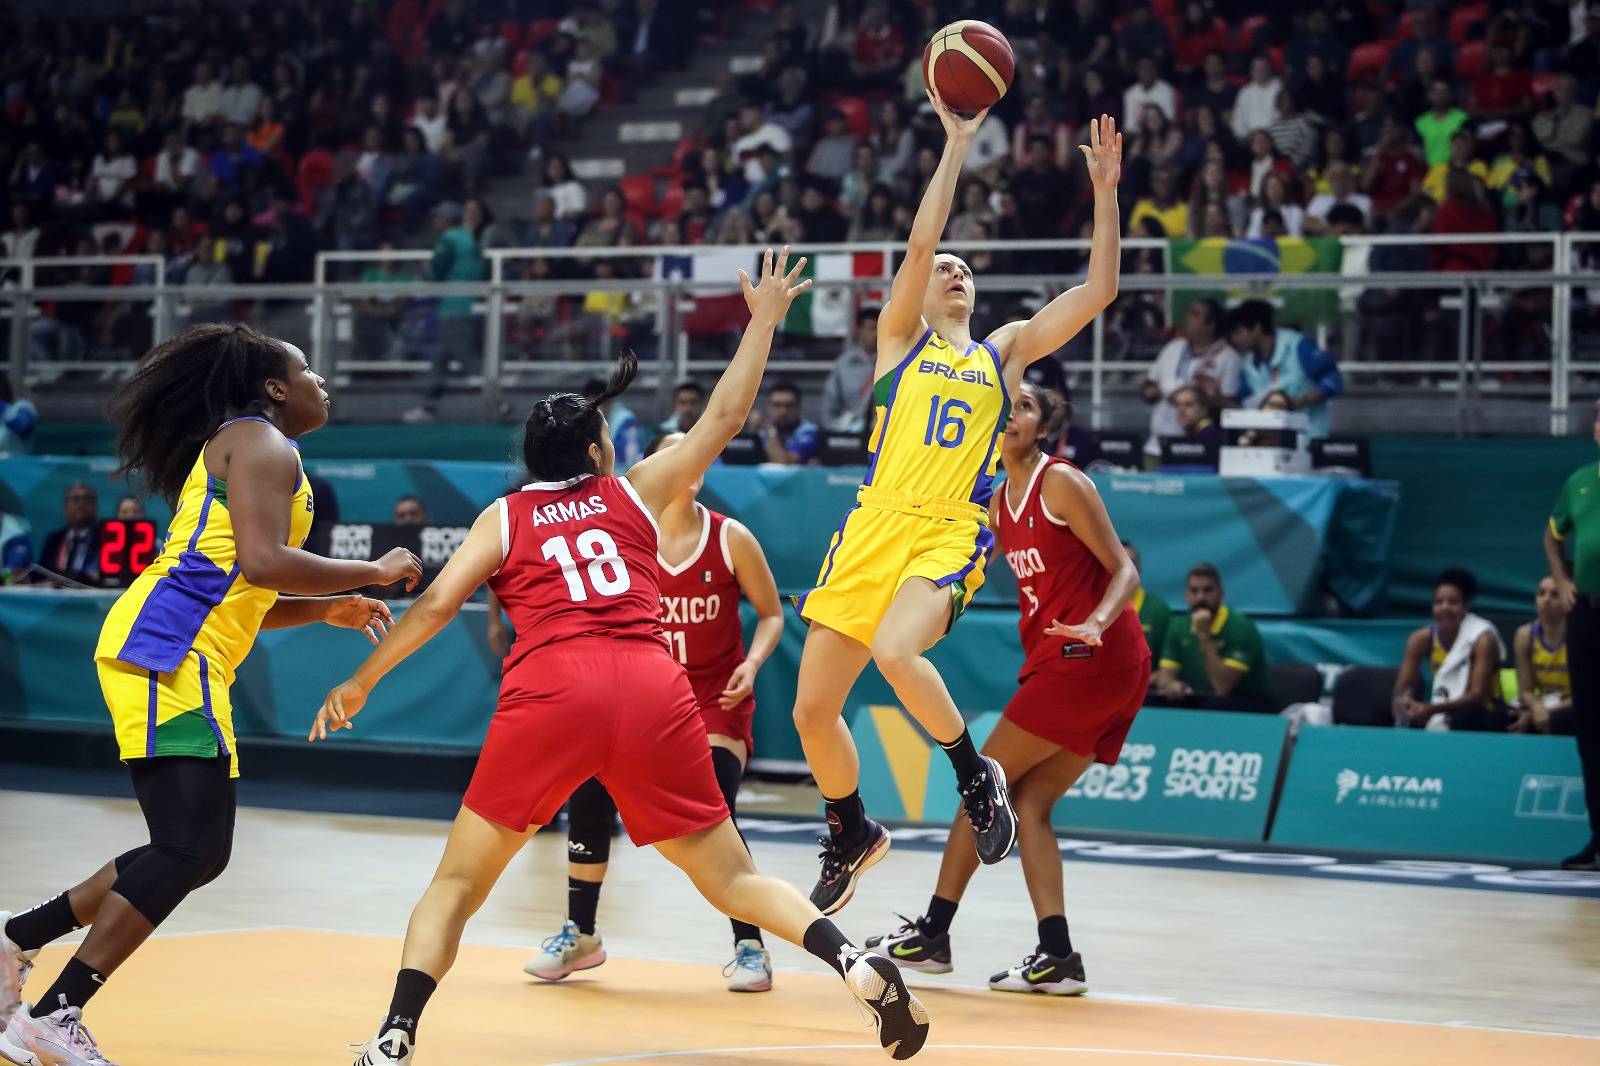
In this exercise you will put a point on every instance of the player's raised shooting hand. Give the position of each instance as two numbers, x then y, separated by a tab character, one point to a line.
770	297
957	127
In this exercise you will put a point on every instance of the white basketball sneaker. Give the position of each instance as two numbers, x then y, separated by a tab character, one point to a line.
14	967
899	1016
751	968
566	953
57	1040
388	1049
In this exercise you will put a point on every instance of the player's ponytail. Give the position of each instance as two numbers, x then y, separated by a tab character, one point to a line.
183	390
560	428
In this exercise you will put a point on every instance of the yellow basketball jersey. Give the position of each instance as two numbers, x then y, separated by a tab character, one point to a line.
938	416
1549	665
193	598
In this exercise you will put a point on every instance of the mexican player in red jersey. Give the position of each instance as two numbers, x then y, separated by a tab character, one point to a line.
1082	682
707	561
590	689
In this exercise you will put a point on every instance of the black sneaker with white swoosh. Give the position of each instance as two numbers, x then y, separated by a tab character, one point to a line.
843	865
914	949
1044	974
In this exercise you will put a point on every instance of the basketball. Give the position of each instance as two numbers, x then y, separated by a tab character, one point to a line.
970	63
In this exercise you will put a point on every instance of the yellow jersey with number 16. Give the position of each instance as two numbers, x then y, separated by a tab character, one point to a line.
938	416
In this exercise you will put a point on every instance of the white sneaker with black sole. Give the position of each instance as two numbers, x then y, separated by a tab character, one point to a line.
15	965
899	1016
1044	974
392	1048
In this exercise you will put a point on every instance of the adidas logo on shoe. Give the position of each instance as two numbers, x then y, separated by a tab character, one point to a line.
890	995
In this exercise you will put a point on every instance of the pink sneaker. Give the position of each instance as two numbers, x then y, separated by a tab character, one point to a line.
57	1040
14	967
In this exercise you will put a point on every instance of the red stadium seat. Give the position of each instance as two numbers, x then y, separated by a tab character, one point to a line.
511	33
541	30
1165	9
1472	59
1245	41
639	193
1462	19
856	115
1369	60
1406	27
1543	82
671	205
1275	55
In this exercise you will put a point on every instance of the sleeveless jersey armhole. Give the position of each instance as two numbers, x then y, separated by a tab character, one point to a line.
727	552
1044	508
505	533
633	494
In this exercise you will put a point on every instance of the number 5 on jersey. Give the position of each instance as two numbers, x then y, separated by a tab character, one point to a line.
608	574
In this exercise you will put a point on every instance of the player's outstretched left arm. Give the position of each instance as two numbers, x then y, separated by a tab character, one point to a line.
660	478
1068	492
479	556
755	581
1021	343
345	612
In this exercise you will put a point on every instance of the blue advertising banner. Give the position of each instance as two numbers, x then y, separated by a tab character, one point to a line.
1421	793
1182	773
1278	541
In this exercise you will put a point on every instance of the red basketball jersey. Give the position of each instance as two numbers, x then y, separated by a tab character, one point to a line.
579	561
700	609
1059	578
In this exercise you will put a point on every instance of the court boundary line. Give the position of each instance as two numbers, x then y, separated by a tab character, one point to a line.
785	1048
913	979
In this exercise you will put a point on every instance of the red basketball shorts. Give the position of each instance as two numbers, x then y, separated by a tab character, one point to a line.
737	721
1085	715
621	711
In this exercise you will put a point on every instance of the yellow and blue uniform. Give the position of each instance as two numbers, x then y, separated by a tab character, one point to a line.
172	643
1550	674
922	509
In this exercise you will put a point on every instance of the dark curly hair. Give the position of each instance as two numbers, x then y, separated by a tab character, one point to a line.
560	428
183	390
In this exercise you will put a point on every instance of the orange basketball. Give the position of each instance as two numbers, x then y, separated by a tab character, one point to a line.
970	63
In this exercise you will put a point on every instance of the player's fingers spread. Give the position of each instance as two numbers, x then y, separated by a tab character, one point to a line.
744	281
795	273
766	264
800	288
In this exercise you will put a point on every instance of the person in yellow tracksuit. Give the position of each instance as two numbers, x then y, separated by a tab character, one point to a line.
910	554
210	420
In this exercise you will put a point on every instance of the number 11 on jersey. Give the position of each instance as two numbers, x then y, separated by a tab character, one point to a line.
678	642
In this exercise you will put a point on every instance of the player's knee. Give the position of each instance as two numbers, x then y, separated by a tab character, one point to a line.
216	856
811	715
1031	803
895	659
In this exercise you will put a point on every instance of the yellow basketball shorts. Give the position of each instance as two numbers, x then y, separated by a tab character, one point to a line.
875	550
186	712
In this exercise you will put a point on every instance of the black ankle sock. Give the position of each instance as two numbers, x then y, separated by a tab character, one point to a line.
745	931
824	940
1053	936
941	912
583	900
50	921
74	988
964	757
847	818
412	990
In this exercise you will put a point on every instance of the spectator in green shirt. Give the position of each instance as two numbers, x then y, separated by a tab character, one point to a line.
1439	123
1154	614
1574	528
1213	658
457	257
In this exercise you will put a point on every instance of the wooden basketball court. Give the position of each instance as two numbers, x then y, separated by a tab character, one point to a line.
291	956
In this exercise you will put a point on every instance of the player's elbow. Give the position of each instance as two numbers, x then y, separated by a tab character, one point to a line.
262	569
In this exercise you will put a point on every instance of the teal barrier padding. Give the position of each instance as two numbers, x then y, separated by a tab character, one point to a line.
445	692
1272	538
1504	797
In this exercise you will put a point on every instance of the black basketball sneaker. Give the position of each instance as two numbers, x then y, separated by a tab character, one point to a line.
914	949
843	865
899	1016
1046	974
988	805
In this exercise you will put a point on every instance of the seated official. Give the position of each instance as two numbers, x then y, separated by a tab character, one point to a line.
1463	652
1213	658
1544	687
73	552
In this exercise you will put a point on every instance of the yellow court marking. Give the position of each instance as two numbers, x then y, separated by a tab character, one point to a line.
273	997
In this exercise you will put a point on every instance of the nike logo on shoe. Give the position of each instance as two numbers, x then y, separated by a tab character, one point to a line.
903	952
1038	975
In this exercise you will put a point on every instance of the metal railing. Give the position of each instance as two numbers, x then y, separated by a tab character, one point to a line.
658	305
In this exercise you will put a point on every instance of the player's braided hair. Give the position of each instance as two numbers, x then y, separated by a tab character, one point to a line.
560	428
183	390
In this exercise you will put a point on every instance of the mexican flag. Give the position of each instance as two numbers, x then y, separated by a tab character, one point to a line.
1300	308
827	311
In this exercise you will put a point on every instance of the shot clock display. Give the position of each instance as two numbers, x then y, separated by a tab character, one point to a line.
126	548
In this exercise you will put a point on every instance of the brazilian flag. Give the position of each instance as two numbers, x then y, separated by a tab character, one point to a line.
1303	309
